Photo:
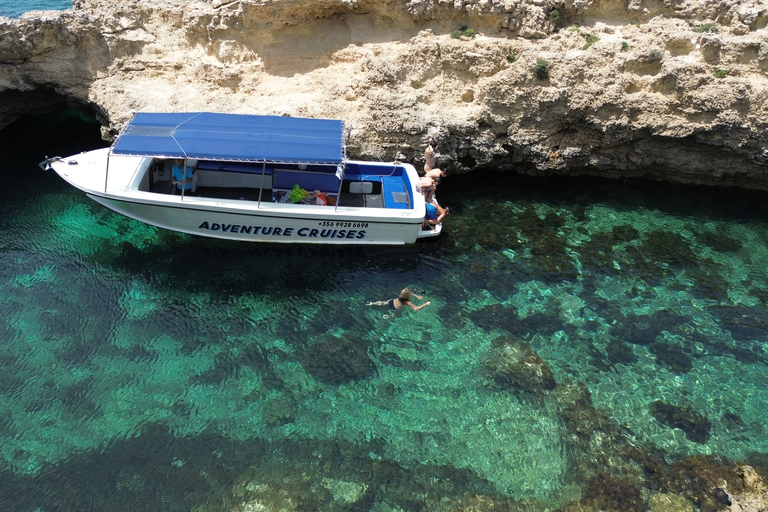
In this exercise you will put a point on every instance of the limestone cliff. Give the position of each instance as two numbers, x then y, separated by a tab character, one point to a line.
671	89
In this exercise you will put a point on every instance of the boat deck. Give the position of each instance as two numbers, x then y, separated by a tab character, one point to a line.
251	194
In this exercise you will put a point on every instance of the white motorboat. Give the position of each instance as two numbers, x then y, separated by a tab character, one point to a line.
243	169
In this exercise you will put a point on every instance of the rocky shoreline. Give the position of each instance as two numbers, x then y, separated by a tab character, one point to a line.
670	91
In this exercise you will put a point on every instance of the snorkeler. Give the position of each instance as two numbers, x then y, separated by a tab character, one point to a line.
404	299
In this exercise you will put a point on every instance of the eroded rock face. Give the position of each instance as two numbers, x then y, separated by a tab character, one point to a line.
674	91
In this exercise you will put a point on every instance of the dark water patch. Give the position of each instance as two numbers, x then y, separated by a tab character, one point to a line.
235	357
671	357
670	248
485	225
175	321
641	267
546	324
290	325
225	269
77	399
394	360
708	283
338	314
6	419
280	410
495	316
337	360
598	359
628	194
602	307
624	233
499	280
746	352
696	426
531	224
745	323
597	256
550	258
733	419
454	316
11	381
718	241
619	352
760	294
636	330
644	329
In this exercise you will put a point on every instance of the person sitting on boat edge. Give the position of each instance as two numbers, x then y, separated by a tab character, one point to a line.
401	300
178	177
435	215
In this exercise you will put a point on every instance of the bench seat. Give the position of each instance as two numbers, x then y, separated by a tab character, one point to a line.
394	192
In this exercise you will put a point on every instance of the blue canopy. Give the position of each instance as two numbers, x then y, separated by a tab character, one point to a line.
233	137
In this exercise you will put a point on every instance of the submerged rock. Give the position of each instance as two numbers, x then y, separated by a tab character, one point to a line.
711	483
606	492
337	360
671	357
620	352
513	365
695	425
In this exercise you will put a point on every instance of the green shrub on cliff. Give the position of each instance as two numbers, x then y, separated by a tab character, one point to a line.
591	39
654	55
541	69
707	27
720	73
463	32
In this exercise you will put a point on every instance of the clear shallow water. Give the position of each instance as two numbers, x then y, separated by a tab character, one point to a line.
15	8
582	333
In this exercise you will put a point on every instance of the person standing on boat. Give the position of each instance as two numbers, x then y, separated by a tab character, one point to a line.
429	155
179	177
404	299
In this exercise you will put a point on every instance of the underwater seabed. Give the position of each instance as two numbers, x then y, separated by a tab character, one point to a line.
587	341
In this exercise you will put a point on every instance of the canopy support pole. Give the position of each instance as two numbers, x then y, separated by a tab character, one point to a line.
340	174
184	179
261	188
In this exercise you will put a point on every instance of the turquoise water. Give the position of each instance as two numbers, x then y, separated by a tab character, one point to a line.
583	334
14	9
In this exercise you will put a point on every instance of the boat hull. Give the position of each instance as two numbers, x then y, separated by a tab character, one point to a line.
265	224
